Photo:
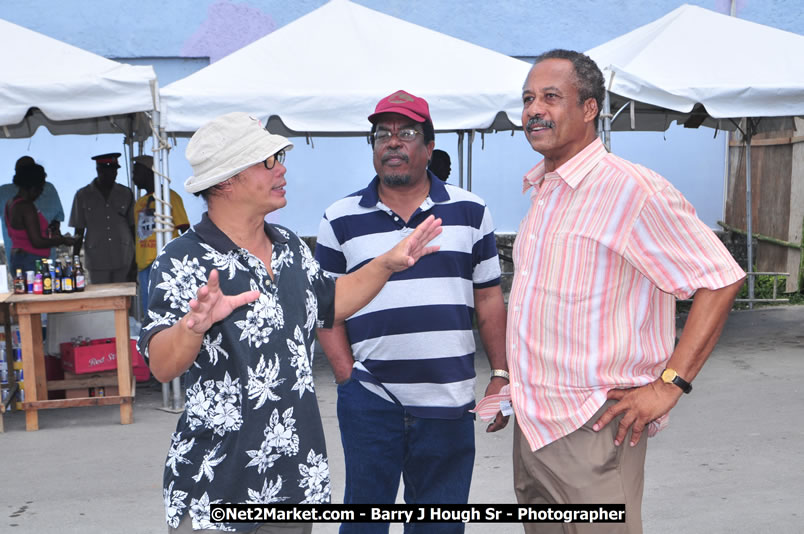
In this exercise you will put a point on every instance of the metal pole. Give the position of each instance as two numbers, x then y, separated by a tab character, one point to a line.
130	169
460	159
606	116
469	161
162	210
750	236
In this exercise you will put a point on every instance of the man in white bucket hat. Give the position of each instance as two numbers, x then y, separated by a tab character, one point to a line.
233	306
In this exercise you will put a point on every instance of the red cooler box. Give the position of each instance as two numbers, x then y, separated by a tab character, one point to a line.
100	355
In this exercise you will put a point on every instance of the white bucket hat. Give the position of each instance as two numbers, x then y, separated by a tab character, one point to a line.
227	145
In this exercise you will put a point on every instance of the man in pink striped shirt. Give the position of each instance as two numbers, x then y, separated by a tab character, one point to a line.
605	249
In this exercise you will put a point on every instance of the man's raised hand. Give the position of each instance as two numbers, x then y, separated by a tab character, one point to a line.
210	304
408	251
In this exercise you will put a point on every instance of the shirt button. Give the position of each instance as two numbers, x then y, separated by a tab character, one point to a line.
532	236
516	308
396	218
524	271
541	203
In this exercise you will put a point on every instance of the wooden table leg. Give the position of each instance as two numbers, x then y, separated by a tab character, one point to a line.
124	371
33	365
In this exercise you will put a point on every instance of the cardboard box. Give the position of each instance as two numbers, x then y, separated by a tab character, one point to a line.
100	355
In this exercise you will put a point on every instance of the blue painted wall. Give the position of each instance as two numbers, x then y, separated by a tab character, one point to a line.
180	36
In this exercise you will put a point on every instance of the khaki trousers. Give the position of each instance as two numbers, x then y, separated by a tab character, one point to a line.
583	467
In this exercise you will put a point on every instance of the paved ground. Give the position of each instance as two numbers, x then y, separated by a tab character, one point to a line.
732	459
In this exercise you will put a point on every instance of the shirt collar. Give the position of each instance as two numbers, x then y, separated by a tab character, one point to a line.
213	235
574	170
371	196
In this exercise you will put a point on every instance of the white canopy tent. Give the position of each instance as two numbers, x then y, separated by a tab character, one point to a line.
46	82
699	67
322	74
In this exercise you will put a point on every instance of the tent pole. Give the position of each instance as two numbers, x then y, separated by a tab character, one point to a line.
130	169
750	237
469	161
605	115
460	160
162	210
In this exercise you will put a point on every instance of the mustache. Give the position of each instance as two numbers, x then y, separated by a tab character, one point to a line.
395	154
539	123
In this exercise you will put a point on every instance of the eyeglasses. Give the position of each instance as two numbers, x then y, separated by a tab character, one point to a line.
406	135
271	161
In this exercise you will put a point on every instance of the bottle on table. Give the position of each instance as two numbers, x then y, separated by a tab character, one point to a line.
67	277
57	277
79	280
20	287
47	279
38	276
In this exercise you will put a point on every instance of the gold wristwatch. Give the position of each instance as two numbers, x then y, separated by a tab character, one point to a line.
670	376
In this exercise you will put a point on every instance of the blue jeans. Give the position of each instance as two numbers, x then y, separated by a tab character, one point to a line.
142	278
381	441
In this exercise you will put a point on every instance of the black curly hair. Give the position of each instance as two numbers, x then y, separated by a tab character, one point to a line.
30	176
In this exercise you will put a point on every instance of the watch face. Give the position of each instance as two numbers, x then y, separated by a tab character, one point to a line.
668	375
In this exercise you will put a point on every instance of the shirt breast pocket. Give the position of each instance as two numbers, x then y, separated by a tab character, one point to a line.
572	268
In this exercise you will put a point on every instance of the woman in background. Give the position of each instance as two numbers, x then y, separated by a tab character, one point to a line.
27	227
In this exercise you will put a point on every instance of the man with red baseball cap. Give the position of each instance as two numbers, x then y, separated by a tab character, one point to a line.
405	363
105	209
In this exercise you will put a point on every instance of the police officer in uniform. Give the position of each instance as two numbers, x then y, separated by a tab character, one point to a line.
105	210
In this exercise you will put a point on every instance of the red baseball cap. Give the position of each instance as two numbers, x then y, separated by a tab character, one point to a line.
405	104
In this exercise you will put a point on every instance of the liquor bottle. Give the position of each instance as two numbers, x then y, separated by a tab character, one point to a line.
37	285
78	275
57	278
19	283
47	279
67	277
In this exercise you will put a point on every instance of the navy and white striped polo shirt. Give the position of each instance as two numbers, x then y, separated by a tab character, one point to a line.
414	343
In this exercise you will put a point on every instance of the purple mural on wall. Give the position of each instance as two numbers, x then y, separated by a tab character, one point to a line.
724	6
228	27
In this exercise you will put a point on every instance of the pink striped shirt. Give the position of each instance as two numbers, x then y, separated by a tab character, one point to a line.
599	259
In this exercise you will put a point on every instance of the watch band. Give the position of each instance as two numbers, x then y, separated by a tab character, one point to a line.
501	373
670	376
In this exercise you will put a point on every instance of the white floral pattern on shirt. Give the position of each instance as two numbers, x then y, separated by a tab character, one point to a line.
183	285
215	405
299	360
264	316
315	479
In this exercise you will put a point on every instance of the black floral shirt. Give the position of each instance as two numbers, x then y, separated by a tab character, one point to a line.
251	431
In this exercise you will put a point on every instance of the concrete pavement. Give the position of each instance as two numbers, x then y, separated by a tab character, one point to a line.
732	459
